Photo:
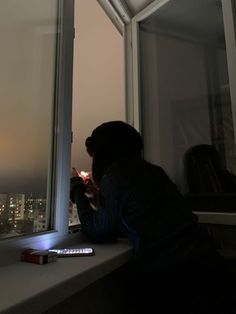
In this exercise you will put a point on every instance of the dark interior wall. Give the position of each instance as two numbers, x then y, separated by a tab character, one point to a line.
109	294
225	237
105	296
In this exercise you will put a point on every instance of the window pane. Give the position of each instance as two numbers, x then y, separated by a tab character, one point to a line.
185	94
27	81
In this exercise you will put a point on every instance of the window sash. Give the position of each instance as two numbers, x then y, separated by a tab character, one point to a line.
11	247
134	106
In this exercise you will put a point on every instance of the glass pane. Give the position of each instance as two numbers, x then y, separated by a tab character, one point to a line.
28	30
185	94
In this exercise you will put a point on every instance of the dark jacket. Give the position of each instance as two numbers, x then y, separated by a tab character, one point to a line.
138	200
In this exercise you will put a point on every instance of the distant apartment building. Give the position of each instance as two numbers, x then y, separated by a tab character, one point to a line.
21	213
25	213
11	211
35	211
73	215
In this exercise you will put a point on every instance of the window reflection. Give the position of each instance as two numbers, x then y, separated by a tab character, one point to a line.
185	94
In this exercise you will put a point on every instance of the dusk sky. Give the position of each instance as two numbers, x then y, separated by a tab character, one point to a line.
26	92
98	87
27	86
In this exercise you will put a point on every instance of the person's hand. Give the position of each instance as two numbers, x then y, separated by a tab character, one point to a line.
84	175
84	178
91	188
77	187
74	172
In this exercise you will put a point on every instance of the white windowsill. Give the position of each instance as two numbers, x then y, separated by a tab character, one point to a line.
222	218
32	288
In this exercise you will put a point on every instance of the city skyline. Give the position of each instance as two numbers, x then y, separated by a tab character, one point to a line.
22	214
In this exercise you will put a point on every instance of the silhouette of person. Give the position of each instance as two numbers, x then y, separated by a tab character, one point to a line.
175	266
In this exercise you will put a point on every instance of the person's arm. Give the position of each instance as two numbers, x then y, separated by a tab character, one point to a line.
103	224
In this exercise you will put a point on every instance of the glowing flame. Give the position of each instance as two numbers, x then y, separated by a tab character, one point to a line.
85	175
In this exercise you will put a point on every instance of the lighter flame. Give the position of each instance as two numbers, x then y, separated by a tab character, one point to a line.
84	174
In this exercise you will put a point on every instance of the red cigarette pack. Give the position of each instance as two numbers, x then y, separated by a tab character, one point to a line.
38	256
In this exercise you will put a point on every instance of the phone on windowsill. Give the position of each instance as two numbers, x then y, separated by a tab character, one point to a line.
87	251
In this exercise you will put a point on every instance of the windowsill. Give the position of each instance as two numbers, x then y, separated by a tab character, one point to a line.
32	288
217	208
221	218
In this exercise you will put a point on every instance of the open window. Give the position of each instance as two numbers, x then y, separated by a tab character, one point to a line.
36	101
98	82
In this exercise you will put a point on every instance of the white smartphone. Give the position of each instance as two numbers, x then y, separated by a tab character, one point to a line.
87	251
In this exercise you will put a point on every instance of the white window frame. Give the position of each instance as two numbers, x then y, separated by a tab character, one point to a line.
11	247
120	16
133	89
